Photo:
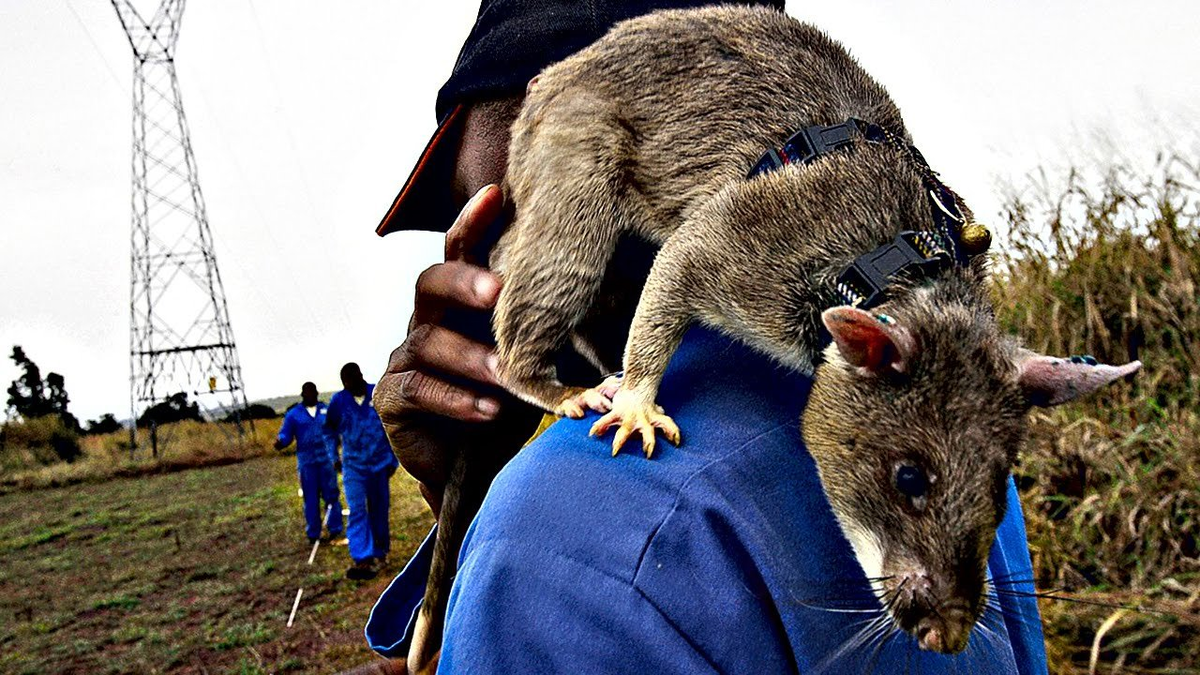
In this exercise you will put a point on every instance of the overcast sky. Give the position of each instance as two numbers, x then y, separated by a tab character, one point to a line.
306	118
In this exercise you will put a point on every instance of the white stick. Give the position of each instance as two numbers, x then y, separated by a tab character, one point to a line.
317	544
295	606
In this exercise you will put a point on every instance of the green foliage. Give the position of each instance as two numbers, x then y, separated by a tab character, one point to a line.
1108	265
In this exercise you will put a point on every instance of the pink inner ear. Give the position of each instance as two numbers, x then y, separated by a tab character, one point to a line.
1047	380
866	342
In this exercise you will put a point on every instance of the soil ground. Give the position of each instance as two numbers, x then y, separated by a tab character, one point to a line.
188	572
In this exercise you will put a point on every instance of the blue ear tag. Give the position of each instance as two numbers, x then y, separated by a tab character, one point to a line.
885	319
1086	359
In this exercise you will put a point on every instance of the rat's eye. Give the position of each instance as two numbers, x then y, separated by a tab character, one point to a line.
911	482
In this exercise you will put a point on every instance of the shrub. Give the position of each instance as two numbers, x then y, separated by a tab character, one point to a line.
41	440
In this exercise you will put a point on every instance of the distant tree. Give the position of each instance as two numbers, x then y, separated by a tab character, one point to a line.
107	424
26	396
175	409
255	411
31	397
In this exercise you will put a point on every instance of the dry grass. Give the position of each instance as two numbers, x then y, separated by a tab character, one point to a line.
183	445
1108	265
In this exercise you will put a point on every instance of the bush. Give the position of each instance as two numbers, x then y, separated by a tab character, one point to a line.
175	408
39	441
255	411
1109	265
107	424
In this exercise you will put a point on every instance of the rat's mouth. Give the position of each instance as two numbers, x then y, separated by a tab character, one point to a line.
942	626
946	631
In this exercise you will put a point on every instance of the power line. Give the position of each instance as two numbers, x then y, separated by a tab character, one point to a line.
107	66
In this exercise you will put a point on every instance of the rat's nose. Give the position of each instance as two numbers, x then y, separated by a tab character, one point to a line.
947	635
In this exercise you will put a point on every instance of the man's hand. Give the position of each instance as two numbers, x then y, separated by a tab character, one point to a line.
439	380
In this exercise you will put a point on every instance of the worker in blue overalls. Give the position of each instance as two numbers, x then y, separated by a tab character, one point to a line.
316	462
367	465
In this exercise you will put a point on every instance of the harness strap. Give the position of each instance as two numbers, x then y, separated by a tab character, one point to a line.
922	254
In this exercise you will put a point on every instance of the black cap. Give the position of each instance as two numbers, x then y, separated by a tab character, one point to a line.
511	42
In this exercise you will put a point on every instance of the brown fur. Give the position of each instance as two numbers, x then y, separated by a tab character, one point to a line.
632	136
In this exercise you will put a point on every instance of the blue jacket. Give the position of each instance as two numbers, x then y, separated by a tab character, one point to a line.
721	555
365	446
314	444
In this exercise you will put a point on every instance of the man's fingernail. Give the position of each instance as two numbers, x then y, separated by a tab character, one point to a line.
492	362
487	406
477	196
486	287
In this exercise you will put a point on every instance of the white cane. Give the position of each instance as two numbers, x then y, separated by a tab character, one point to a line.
311	557
317	543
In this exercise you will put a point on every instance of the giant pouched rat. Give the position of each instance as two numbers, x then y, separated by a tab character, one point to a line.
919	404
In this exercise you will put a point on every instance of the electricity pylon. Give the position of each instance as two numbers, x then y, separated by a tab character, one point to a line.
180	339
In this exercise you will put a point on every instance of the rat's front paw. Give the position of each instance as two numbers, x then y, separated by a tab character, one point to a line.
633	415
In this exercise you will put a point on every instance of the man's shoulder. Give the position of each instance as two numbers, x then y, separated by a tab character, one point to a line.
566	492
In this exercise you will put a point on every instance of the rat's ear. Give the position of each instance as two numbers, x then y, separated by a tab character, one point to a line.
873	343
1049	380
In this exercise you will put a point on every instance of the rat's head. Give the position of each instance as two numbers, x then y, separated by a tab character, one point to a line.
914	421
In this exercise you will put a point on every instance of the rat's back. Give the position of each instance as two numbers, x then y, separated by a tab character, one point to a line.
695	96
629	137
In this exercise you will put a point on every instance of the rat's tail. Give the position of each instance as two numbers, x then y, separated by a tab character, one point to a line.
465	488
427	632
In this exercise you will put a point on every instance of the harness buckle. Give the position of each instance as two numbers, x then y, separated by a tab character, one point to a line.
918	254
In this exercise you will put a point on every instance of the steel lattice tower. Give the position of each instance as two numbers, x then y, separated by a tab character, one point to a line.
180	339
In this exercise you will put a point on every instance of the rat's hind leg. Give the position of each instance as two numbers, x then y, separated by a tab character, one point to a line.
567	175
532	322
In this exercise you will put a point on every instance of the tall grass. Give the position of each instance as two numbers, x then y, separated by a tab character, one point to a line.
1107	263
183	445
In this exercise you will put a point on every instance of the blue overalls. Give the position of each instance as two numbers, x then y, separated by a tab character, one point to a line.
367	465
315	455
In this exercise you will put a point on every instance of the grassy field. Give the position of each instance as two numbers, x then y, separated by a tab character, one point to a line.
187	572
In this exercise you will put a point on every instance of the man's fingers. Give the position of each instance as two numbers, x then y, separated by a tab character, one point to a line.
454	284
443	350
477	227
398	394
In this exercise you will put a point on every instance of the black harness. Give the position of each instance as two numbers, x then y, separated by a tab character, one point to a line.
919	254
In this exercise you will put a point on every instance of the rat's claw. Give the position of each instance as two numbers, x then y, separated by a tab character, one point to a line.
667	425
648	441
643	419
604	424
621	436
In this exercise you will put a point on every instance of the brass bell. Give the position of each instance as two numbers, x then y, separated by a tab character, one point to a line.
975	238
